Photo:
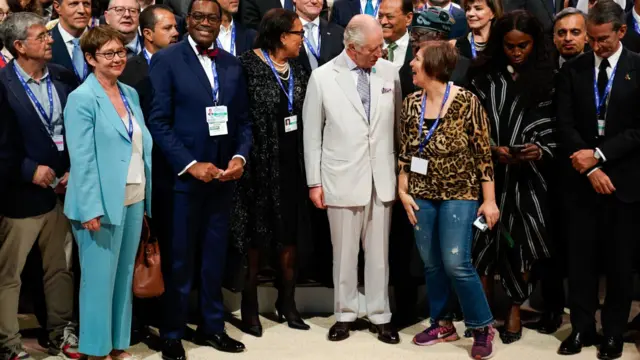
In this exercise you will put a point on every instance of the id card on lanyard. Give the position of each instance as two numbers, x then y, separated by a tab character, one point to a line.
48	118
420	165
474	52
600	101
232	44
217	116
290	122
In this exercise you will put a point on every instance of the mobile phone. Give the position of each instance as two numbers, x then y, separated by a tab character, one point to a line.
516	148
481	223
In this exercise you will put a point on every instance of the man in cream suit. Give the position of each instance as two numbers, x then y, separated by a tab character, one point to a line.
350	112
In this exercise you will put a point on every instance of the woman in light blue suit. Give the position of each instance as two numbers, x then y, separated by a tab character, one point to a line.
108	193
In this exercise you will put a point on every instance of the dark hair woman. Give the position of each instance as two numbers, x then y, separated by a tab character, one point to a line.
271	214
516	89
481	15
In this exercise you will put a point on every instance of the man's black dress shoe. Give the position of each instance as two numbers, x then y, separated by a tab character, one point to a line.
173	350
549	323
220	341
611	348
386	333
339	331
576	341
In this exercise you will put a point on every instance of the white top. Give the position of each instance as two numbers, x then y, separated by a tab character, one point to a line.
67	38
315	33
225	38
400	52
134	191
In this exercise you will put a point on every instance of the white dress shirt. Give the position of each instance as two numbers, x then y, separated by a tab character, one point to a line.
315	34
225	38
354	71
68	39
134	190
613	62
400	52
205	61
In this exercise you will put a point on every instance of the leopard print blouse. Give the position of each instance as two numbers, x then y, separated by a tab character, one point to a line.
459	152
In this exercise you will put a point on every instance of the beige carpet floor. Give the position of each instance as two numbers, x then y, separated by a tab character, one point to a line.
280	342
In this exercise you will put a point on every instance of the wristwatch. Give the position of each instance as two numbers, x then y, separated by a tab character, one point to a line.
596	155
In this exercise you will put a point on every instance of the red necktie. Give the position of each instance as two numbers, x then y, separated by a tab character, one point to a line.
211	53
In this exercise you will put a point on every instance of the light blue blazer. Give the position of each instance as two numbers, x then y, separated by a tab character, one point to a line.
100	152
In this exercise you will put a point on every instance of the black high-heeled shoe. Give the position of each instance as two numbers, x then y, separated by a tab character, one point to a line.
293	319
252	329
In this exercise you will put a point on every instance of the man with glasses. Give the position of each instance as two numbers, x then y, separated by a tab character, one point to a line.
74	19
199	119
322	40
124	16
30	209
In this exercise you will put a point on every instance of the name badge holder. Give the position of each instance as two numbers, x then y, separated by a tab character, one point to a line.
418	164
290	122
601	100
217	116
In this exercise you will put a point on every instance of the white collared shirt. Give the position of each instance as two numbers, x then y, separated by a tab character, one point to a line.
400	52
68	39
315	33
613	61
134	45
355	70
225	37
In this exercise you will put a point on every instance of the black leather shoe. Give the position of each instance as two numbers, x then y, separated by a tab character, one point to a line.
173	350
221	342
549	323
611	348
339	331
386	333
576	341
294	321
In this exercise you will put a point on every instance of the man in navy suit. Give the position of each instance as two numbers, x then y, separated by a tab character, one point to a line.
74	19
199	119
37	169
235	38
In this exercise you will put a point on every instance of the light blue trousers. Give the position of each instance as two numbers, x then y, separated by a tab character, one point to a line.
107	258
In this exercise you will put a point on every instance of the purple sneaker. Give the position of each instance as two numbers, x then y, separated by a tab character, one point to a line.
483	343
436	334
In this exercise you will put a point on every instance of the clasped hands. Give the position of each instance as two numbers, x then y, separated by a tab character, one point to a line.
530	152
207	172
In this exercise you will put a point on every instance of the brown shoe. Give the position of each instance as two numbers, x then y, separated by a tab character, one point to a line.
339	331
386	333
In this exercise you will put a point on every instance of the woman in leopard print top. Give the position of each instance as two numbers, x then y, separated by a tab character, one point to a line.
440	179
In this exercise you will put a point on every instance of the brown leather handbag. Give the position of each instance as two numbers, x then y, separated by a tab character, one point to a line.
147	273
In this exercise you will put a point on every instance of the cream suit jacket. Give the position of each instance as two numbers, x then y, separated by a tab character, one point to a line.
343	151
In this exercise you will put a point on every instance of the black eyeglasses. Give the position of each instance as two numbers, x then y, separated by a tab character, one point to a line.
199	17
109	55
121	10
299	33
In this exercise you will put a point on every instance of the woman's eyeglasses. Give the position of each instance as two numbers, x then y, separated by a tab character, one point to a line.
109	55
299	33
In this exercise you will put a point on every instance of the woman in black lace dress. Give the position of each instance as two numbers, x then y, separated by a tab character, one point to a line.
271	215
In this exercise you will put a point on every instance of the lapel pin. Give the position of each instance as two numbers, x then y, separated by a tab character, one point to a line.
328	33
373	70
627	77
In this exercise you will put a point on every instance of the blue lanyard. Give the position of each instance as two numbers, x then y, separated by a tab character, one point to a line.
375	11
146	56
47	117
600	101
93	23
275	73
636	27
232	46
435	124
474	52
314	52
216	84
129	114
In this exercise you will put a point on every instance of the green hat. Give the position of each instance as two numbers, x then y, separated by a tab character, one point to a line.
433	19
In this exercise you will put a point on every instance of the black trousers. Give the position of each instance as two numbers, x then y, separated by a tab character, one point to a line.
603	235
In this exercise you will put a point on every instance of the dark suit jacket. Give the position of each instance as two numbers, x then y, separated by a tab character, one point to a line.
7	121
252	11
31	145
577	123
136	75
460	27
541	9
406	74
245	37
177	119
331	45
631	40
343	11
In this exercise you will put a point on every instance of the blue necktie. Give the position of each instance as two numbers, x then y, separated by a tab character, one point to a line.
368	8
288	4
77	59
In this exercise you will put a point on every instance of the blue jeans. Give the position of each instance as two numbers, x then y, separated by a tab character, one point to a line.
444	236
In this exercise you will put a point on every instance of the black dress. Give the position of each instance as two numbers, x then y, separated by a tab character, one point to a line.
271	199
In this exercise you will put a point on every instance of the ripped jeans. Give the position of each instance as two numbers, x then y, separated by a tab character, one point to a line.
444	235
